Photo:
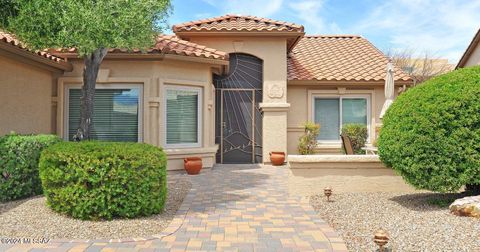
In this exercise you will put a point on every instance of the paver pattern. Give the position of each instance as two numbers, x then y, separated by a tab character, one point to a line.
229	208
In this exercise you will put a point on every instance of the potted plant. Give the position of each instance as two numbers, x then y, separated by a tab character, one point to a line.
277	158
192	165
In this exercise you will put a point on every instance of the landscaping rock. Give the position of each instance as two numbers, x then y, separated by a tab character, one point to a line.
33	218
468	206
414	221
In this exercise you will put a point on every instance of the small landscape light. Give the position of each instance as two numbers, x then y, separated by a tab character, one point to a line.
328	192
381	238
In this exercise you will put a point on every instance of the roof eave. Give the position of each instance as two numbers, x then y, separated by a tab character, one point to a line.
347	82
295	42
155	57
186	34
471	47
29	56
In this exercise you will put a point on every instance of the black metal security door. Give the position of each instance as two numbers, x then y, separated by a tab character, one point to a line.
238	117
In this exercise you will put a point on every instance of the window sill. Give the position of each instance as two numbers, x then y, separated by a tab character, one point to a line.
329	145
197	150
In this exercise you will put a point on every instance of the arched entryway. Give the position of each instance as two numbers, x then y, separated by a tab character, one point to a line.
238	117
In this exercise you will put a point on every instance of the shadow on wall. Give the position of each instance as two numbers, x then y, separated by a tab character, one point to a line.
307	182
312	173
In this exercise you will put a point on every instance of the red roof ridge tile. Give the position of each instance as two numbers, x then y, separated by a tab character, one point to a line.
215	24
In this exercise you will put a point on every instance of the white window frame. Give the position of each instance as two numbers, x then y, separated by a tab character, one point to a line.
105	86
199	92
340	97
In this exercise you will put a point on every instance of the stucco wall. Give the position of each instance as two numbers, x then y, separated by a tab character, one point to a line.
153	76
300	98
25	98
474	58
273	52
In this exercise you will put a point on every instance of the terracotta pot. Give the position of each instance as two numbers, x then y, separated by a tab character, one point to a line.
277	158
192	165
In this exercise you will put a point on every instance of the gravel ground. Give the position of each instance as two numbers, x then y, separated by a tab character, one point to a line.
32	218
413	222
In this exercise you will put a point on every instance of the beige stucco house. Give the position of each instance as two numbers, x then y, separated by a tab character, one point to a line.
471	56
230	89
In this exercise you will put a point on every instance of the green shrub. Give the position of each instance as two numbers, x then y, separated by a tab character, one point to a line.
358	134
431	133
104	180
308	141
19	155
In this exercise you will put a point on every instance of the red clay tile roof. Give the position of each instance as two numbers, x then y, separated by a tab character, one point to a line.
169	44
237	23
10	39
173	45
338	58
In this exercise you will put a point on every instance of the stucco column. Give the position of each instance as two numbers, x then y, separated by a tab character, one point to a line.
274	128
274	105
274	108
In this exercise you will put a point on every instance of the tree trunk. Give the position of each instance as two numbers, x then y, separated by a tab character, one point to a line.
90	72
472	189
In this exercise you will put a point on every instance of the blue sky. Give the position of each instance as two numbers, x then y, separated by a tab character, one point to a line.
440	28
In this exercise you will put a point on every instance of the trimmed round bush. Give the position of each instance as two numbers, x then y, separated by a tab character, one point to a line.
431	133
19	155
104	180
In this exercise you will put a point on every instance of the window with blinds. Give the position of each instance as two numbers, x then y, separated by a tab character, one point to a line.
183	116
332	113
115	114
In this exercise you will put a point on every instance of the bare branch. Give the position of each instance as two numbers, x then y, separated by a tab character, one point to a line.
421	66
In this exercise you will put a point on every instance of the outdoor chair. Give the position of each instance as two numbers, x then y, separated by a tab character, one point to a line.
347	144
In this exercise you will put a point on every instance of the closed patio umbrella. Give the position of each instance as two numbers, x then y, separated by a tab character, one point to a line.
389	89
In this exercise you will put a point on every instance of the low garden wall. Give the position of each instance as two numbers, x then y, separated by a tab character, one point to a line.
335	162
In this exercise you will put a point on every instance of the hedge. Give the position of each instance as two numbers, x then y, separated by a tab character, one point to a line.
104	180
19	155
431	133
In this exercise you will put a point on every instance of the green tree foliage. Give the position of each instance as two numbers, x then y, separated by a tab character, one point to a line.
431	133
104	180
89	26
358	134
308	141
19	155
9	9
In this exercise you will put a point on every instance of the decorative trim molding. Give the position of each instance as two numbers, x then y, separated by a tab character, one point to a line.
274	107
295	129
276	91
103	75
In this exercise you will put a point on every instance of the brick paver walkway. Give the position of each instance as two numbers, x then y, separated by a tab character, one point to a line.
230	208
